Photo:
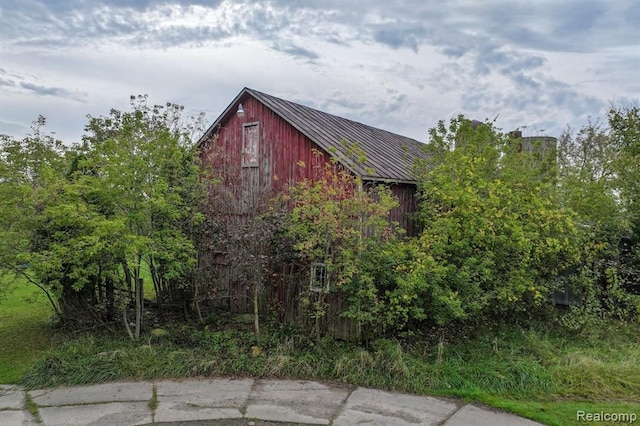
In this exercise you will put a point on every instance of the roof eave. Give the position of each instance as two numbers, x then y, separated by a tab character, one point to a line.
210	131
389	180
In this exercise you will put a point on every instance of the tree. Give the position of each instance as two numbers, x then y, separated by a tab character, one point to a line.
340	227
494	236
139	170
625	134
90	216
28	168
588	182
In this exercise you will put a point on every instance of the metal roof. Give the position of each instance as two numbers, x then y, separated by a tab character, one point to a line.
388	156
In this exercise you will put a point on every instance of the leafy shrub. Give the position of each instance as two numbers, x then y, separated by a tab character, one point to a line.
493	235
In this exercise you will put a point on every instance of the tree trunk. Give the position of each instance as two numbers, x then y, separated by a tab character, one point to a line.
256	311
139	295
110	296
139	306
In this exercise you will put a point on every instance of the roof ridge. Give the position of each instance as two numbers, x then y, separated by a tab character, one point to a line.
388	155
250	90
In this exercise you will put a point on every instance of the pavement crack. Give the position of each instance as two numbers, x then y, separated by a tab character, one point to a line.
153	402
31	407
243	408
342	405
446	419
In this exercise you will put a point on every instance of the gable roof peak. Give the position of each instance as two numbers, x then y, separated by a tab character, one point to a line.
379	154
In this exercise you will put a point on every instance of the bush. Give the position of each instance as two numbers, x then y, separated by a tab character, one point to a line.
493	237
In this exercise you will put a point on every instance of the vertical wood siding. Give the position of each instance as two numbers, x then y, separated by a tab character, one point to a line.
285	157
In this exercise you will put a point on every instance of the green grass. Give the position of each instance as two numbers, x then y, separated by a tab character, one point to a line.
538	373
24	335
32	408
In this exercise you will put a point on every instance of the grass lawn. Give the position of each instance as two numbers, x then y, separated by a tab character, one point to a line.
24	335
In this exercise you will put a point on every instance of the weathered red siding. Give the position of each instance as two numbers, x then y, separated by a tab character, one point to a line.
286	156
405	213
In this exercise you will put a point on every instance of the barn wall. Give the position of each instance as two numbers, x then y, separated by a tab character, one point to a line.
285	157
405	213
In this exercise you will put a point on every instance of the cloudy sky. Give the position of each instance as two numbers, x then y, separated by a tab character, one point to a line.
398	65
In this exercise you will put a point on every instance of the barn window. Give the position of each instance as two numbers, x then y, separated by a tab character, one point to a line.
250	147
319	278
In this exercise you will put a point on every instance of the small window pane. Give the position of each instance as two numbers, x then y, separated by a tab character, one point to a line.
319	278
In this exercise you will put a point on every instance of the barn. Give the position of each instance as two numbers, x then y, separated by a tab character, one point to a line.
257	147
260	141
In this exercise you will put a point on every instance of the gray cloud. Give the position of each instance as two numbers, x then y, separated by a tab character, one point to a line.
575	19
576	25
296	51
45	91
7	83
400	35
16	81
632	14
491	56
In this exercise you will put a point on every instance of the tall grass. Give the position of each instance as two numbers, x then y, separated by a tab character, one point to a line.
535	372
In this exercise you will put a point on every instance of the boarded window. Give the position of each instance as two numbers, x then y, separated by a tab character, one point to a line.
250	147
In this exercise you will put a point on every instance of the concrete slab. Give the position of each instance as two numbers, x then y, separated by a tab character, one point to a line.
295	401
11	397
108	392
206	393
191	400
16	418
375	407
177	412
473	415
113	413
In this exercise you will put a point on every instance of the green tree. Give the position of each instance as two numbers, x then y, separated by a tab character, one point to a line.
625	134
85	219
588	181
28	168
494	236
140	172
341	224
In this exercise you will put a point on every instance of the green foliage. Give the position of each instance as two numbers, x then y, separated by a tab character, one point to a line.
85	218
625	134
344	224
598	180
493	234
587	180
29	169
139	168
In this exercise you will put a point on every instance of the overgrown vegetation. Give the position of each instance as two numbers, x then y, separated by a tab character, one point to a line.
464	309
537	370
79	222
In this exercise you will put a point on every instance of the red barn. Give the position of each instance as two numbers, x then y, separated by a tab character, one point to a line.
260	142
259	146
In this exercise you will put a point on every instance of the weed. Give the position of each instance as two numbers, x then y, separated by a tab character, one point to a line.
153	402
532	371
32	407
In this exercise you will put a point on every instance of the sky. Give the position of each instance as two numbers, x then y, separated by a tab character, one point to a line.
537	65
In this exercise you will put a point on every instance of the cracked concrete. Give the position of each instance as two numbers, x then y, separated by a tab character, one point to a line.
230	401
